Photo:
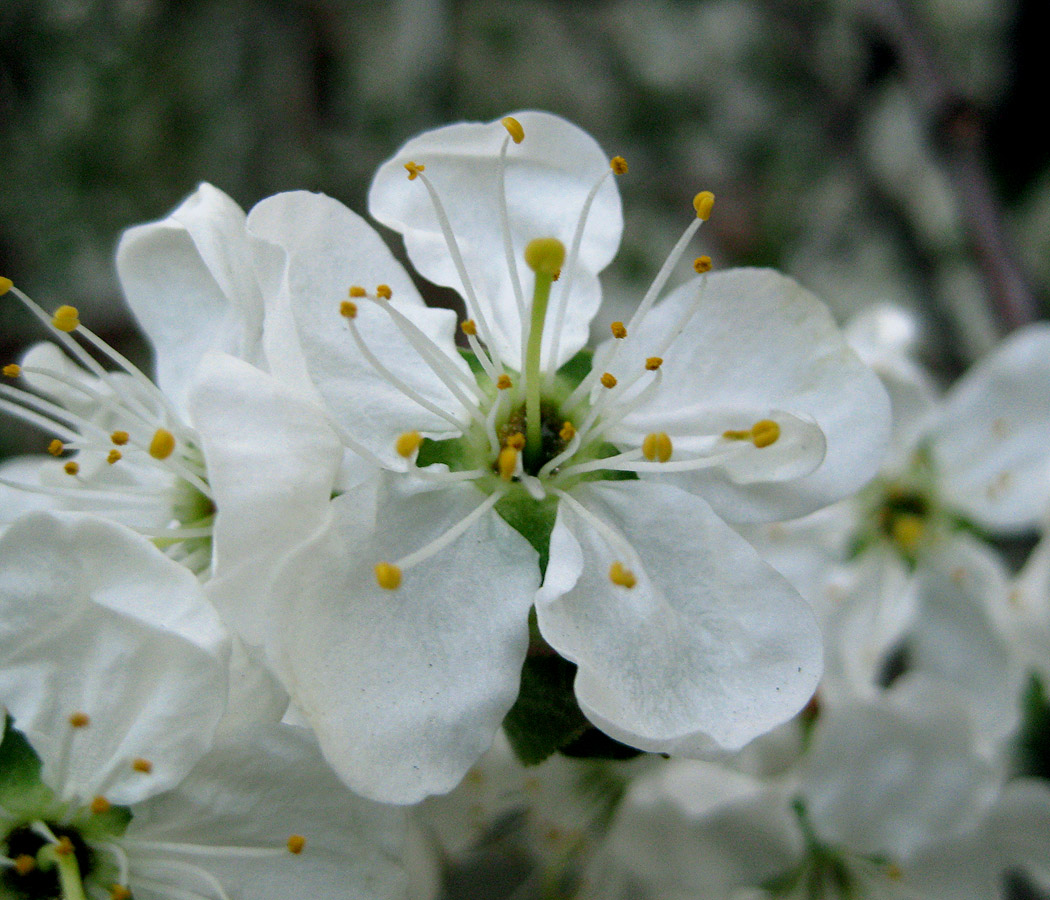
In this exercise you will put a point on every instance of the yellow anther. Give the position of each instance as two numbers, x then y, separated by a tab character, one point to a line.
162	445
296	842
516	441
702	264
113	456
24	863
120	438
357	292
64	846
5	285
507	463
907	531
764	433
618	330
408	443
653	363
545	256
100	805
383	292
144	766
469	327
609	380
702	203
72	467
620	575
514	129
66	318
619	165
348	309
568	431
56	447
504	382
119	892
12	370
657	447
413	170
388	576
79	720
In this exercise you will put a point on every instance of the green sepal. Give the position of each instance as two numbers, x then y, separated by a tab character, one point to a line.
576	369
596	744
546	716
532	519
1032	745
21	790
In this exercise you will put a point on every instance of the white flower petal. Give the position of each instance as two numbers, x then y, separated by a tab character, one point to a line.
188	279
95	620
760	342
992	442
405	688
256	791
709	642
327	248
548	178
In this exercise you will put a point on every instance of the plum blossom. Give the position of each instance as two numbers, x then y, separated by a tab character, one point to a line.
119	777
525	473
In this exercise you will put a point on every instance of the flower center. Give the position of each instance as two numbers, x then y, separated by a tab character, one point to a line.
32	875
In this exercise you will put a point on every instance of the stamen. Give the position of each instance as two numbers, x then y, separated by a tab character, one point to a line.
568	431
620	545
702	264
143	766
388	576
113	456
348	309
657	447
621	576
72	467
5	285
162	444
608	380
23	864
504	383
296	843
702	203
762	434
653	363
507	463
619	165
618	330
384	292
469	327
413	169
66	318
56	447
120	438
514	128
12	370
100	805
516	133
119	892
408	443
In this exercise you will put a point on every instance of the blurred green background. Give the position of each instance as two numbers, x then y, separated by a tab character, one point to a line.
878	151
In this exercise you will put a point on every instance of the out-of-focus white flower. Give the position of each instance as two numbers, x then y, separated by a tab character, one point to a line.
400	628
114	668
129	450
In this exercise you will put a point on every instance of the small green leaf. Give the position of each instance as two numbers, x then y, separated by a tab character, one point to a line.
21	790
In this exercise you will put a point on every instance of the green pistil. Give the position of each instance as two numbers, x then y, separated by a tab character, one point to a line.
64	860
545	257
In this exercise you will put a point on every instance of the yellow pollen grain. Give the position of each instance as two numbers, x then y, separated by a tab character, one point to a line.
702	203
119	892
295	844
141	765
408	443
764	433
514	129
413	170
653	363
100	805
469	327
702	264
113	456
5	285
609	380
383	291
568	431
64	846
348	309
24	863
12	370
619	331
66	318
619	165
516	441
79	720
388	576
504	382
120	438
657	447
357	291
620	575
72	467
56	447
162	445
507	463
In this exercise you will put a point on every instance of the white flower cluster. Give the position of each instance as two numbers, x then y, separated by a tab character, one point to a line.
256	606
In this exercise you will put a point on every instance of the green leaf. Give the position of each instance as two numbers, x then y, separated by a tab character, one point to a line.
546	716
1032	746
21	790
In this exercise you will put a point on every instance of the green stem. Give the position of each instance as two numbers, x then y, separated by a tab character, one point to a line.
533	423
68	870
